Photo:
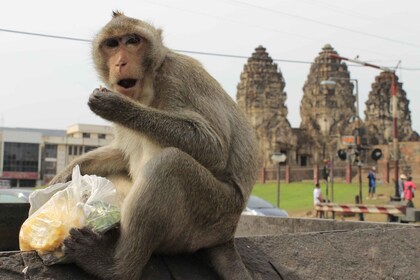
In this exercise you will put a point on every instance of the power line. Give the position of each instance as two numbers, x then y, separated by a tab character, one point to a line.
326	24
45	35
177	50
231	20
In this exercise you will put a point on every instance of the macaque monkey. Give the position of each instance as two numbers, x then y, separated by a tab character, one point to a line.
189	154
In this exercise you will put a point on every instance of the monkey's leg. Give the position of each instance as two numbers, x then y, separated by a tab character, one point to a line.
176	206
102	161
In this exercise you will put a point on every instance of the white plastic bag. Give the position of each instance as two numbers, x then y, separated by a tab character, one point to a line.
87	200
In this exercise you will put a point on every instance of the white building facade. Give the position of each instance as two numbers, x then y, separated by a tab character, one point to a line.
30	157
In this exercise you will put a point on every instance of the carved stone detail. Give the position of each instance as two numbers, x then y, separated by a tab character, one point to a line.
378	113
260	94
326	112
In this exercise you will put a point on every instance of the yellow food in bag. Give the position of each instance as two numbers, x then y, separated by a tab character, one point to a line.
46	229
87	200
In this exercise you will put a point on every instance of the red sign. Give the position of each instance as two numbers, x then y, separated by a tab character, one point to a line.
348	140
20	175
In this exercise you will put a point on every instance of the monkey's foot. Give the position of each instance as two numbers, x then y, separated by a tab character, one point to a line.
90	251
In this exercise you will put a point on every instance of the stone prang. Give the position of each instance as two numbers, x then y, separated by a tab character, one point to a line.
260	94
378	113
328	112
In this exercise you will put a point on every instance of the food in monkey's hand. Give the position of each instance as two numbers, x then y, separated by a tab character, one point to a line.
103	89
103	216
89	201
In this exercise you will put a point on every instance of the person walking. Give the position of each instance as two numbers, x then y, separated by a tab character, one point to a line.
318	198
409	189
401	182
372	183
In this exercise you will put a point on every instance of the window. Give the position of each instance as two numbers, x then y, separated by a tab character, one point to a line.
303	160
21	157
89	148
50	150
86	135
70	150
101	136
50	167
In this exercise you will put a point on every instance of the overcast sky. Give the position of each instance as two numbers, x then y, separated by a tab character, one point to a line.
46	82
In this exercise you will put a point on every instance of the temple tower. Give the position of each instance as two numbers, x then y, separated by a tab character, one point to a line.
378	113
260	94
327	112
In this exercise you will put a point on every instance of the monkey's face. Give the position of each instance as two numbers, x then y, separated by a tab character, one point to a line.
124	57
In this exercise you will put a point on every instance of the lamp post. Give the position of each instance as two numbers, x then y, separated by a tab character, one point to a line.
278	158
331	83
393	102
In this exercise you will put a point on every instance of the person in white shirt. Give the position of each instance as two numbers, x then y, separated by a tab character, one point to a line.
318	198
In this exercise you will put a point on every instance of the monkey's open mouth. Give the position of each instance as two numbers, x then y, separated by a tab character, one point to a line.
127	83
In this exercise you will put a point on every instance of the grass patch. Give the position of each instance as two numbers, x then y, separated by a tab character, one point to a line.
297	197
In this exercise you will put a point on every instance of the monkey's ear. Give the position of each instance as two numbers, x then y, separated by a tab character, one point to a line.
117	13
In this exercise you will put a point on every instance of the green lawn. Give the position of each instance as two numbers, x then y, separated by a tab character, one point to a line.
297	197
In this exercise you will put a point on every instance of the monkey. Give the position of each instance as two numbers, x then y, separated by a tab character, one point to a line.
188	156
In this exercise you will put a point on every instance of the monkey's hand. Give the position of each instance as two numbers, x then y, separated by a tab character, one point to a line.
109	105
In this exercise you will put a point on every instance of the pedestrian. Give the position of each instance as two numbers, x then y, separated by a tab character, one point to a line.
409	190
326	170
401	182
318	198
372	183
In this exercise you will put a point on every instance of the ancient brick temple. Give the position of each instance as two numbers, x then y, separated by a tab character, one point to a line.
378	113
328	110
261	95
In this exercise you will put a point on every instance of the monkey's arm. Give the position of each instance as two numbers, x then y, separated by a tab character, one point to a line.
102	161
184	129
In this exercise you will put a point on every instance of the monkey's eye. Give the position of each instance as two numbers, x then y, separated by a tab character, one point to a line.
111	43
133	39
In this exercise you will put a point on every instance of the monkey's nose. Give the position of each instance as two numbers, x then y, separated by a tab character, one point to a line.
121	64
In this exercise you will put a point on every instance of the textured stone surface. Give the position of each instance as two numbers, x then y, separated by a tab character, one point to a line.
257	226
326	112
378	113
378	253
359	254
262	97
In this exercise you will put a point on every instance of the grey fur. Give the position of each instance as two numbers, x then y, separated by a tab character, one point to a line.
186	149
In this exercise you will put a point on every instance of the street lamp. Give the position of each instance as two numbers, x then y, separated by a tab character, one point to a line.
278	158
394	106
331	83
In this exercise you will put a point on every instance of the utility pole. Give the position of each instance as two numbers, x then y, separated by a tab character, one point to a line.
394	106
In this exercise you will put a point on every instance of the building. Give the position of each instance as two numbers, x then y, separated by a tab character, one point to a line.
30	157
330	116
261	96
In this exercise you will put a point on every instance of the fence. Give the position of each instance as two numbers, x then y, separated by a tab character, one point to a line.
297	173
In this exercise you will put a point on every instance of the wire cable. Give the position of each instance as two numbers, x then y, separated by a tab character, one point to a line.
325	23
179	50
44	35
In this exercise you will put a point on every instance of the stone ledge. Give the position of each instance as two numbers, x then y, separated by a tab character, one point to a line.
377	253
259	225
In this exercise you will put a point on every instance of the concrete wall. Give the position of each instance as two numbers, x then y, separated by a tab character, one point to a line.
257	226
12	216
